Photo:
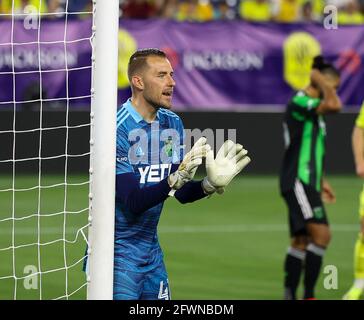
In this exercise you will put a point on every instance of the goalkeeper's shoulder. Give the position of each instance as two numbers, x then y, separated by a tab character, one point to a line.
172	120
165	113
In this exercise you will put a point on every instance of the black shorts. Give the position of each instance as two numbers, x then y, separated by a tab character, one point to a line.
304	205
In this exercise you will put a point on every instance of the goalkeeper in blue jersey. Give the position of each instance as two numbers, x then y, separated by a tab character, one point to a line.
151	166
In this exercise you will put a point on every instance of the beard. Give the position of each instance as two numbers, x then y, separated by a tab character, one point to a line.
156	104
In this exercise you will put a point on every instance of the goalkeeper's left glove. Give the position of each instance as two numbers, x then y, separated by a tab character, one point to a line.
230	161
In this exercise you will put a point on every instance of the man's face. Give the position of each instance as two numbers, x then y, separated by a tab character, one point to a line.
158	82
333	81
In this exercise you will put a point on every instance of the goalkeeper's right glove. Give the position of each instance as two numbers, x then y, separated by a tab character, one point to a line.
187	169
230	161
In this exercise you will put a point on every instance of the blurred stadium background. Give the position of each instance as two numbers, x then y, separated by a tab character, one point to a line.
236	65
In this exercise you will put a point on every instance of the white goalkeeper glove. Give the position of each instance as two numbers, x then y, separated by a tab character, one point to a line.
230	161
187	169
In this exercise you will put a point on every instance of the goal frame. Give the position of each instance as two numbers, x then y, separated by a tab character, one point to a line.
103	149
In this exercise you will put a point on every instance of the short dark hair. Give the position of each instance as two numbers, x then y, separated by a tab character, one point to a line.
325	67
139	59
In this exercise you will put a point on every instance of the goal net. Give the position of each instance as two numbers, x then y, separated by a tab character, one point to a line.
52	147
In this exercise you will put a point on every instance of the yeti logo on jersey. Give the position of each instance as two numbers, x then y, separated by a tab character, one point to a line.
154	173
163	294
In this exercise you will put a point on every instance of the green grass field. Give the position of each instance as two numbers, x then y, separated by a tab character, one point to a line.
225	247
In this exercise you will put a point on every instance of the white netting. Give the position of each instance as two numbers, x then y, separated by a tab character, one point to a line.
45	79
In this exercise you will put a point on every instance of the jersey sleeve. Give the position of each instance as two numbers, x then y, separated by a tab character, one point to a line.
123	164
304	106
360	118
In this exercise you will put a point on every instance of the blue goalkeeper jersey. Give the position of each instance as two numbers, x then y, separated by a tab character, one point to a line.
147	150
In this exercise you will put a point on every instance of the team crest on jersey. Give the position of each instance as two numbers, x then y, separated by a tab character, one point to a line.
168	147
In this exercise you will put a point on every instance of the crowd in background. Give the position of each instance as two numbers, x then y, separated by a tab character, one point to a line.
286	11
44	6
349	11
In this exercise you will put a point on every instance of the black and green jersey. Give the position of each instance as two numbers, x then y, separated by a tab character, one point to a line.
304	135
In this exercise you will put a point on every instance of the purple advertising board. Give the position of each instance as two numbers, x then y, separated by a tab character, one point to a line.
54	59
224	66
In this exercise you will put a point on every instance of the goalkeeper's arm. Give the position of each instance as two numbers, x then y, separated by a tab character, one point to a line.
190	192
138	200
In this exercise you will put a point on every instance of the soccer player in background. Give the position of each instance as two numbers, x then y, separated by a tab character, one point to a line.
358	149
301	179
151	167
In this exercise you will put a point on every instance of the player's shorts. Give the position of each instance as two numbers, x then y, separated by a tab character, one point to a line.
361	204
304	206
150	285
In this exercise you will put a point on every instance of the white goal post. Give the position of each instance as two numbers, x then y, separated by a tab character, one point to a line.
103	149
53	62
